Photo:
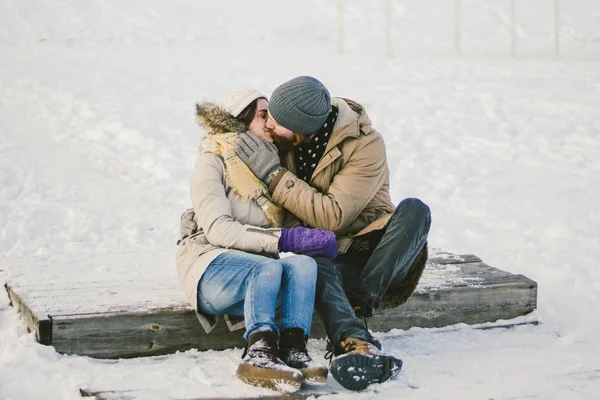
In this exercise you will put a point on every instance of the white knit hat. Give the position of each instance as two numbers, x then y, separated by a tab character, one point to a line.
235	102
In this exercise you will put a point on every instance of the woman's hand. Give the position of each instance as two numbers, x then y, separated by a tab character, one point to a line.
311	242
187	225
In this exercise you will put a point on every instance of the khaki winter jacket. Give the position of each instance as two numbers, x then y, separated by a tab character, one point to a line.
225	222
349	189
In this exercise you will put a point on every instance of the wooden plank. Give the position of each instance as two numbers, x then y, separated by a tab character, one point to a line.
340	24
502	297
389	13
557	27
122	324
126	295
457	27
138	394
40	324
126	335
496	295
449	258
73	301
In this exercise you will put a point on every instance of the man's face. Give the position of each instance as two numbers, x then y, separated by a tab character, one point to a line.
284	139
275	129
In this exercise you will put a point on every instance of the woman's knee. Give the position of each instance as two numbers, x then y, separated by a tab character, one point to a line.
268	267
301	266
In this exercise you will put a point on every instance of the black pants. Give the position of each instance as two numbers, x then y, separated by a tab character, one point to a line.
363	277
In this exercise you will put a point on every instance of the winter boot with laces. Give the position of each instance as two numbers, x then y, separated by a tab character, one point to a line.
359	363
292	348
260	365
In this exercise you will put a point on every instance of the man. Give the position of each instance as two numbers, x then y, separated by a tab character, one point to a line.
334	176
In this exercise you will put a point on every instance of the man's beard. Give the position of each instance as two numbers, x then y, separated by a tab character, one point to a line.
283	144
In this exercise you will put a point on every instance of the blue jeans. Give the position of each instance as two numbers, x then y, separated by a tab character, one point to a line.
253	286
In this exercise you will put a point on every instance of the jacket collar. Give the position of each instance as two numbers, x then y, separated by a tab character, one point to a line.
352	119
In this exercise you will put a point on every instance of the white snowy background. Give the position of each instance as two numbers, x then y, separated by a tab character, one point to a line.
98	139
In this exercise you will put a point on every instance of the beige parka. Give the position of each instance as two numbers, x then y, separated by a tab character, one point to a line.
225	221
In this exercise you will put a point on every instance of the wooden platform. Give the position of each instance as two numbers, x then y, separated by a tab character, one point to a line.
123	318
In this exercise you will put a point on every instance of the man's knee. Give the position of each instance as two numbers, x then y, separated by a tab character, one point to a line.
328	273
415	208
414	205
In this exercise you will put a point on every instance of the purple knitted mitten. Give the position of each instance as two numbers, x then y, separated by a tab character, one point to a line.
311	242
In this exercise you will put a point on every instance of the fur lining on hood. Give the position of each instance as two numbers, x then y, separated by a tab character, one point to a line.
216	120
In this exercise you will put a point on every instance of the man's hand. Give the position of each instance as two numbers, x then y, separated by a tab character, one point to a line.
188	225
259	155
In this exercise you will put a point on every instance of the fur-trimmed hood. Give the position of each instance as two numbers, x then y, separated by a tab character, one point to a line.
215	120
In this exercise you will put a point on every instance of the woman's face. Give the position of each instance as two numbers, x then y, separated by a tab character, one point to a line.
258	124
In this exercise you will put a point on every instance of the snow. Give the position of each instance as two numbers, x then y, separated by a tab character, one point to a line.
98	139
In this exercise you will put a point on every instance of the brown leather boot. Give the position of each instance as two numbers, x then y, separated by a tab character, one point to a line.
293	352
359	363
262	367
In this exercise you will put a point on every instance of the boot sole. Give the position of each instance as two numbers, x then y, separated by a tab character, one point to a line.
314	376
357	371
280	381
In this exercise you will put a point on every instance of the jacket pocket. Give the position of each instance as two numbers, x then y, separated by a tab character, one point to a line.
199	238
193	247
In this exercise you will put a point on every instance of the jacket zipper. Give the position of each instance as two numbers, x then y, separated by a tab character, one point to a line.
269	232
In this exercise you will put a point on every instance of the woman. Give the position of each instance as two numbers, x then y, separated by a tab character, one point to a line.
231	265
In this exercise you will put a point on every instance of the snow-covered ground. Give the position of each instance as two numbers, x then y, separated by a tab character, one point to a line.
98	139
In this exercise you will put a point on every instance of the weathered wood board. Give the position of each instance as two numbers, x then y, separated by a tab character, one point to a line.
312	392
90	317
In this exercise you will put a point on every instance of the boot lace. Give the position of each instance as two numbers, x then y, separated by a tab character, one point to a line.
330	353
359	313
331	350
259	349
349	346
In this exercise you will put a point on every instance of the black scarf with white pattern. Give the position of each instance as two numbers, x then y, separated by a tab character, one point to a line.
307	155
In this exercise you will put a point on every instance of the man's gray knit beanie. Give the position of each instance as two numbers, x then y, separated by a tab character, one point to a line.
301	105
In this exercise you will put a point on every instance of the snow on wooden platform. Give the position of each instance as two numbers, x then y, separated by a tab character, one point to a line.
99	314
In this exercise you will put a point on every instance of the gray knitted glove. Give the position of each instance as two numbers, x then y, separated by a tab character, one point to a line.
258	154
188	225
